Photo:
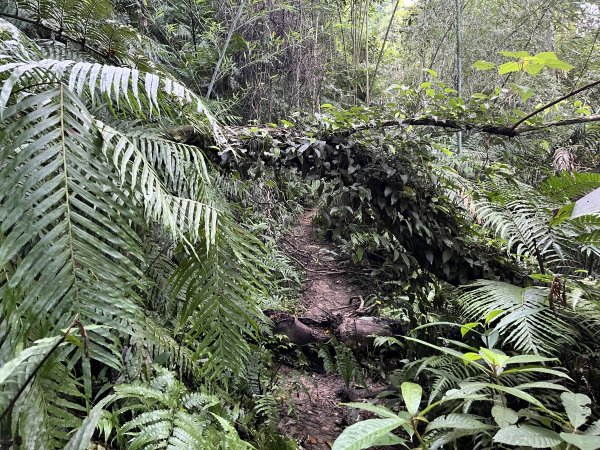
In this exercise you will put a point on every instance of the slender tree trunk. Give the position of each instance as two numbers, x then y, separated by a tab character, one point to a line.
367	50
224	50
385	38
458	69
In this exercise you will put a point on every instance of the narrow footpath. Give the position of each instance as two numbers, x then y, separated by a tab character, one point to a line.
317	417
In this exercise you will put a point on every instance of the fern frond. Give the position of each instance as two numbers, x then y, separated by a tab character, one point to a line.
569	185
530	325
136	92
222	291
171	419
182	217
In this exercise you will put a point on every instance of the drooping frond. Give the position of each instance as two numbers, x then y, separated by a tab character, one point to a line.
523	224
222	289
56	201
139	93
78	199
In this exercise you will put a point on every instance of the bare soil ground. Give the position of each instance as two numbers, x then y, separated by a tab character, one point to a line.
317	418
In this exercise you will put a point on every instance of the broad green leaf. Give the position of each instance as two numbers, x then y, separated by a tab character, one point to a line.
576	407
448	351
521	54
471	356
528	359
483	65
562	214
411	393
538	370
509	67
532	68
431	72
457	421
593	429
493	315
363	434
379	410
583	442
547	55
473	387
495	357
541	385
390	439
561	65
504	416
468	327
527	435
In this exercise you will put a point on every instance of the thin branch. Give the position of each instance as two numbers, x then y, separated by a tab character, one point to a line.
584	68
559	123
554	102
500	130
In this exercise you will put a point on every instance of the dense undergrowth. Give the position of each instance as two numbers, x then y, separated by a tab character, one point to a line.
135	263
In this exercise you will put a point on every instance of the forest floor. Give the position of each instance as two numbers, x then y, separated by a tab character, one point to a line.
316	417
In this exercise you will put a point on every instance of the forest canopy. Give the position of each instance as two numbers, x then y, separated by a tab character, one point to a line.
293	224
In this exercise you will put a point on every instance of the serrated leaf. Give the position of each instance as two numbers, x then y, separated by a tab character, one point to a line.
576	407
411	393
527	435
363	434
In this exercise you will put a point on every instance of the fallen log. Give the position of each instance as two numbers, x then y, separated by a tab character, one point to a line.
355	332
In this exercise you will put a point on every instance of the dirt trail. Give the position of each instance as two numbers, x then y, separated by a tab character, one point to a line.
329	289
316	419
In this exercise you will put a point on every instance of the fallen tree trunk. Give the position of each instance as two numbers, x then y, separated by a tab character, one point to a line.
355	332
395	192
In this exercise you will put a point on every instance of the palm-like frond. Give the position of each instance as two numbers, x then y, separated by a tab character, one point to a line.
529	324
88	23
222	288
141	94
522	217
77	200
567	186
523	224
52	182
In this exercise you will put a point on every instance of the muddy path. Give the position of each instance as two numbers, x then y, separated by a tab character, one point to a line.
316	417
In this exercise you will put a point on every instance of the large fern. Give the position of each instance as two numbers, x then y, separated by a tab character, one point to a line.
166	415
531	322
79	199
